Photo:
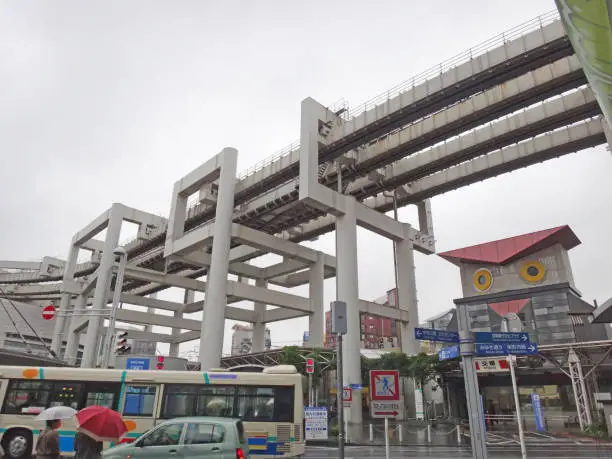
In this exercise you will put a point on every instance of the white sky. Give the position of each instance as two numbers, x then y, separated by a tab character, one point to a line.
113	101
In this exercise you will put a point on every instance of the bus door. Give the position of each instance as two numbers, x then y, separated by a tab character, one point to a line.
140	407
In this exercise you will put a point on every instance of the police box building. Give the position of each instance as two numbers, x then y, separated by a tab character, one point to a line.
526	283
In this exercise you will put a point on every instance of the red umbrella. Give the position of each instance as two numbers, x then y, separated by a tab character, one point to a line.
101	423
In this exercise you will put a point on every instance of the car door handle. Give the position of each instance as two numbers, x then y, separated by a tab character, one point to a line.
216	450
172	452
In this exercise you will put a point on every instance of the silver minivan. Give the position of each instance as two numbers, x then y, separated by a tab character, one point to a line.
196	437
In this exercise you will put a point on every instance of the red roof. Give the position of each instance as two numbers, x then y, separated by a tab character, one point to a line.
506	307
506	250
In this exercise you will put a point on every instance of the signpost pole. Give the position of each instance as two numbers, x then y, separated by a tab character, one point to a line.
387	446
310	395
340	394
466	344
517	402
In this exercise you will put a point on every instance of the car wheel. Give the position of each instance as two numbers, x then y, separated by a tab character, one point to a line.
17	444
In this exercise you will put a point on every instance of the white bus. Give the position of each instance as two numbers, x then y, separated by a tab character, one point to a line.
269	403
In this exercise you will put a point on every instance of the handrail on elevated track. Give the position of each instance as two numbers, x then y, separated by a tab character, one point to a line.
471	53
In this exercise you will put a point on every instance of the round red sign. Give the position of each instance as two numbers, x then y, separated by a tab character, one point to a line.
48	312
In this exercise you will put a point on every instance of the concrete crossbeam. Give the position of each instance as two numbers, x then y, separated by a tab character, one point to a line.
283	268
299	278
388	312
271	297
150	302
273	244
156	277
93	228
278	314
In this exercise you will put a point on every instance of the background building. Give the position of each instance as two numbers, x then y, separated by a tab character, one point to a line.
376	332
527	281
242	339
529	276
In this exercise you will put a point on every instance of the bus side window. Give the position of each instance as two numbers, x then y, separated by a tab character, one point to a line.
283	404
27	397
139	400
103	394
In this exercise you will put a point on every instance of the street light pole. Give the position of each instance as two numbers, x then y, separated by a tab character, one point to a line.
110	331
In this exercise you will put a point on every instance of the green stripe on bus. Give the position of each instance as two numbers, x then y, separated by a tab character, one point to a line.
206	378
122	389
41	373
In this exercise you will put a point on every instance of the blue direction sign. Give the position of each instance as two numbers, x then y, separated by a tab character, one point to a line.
432	334
451	352
501	337
506	349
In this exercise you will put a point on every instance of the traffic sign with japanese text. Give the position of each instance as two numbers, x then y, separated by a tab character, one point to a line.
501	337
432	334
447	353
506	349
385	409
316	420
491	365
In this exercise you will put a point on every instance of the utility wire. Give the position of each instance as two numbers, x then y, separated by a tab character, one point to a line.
47	347
23	340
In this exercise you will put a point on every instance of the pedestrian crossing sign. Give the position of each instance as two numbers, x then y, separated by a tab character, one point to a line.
384	385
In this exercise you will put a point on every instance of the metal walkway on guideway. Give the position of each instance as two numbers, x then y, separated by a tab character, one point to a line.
516	100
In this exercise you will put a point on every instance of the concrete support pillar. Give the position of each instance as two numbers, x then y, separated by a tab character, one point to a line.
215	301
72	344
95	329
315	295
150	310
258	340
66	299
188	298
348	291
407	294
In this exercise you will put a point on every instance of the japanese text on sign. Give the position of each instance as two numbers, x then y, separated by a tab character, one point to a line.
316	422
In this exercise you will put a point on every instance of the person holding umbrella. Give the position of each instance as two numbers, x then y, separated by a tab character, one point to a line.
47	444
96	424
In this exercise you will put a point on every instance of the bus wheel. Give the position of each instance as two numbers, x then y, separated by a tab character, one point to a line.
17	444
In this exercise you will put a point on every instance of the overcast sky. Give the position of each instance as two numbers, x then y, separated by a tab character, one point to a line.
113	101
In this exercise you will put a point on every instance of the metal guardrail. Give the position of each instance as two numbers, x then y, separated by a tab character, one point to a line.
458	59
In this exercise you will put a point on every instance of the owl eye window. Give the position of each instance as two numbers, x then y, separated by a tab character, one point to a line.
483	280
533	271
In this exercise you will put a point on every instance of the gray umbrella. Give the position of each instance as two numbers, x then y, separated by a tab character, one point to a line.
56	413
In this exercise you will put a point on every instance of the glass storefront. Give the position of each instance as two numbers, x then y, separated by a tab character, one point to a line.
557	402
